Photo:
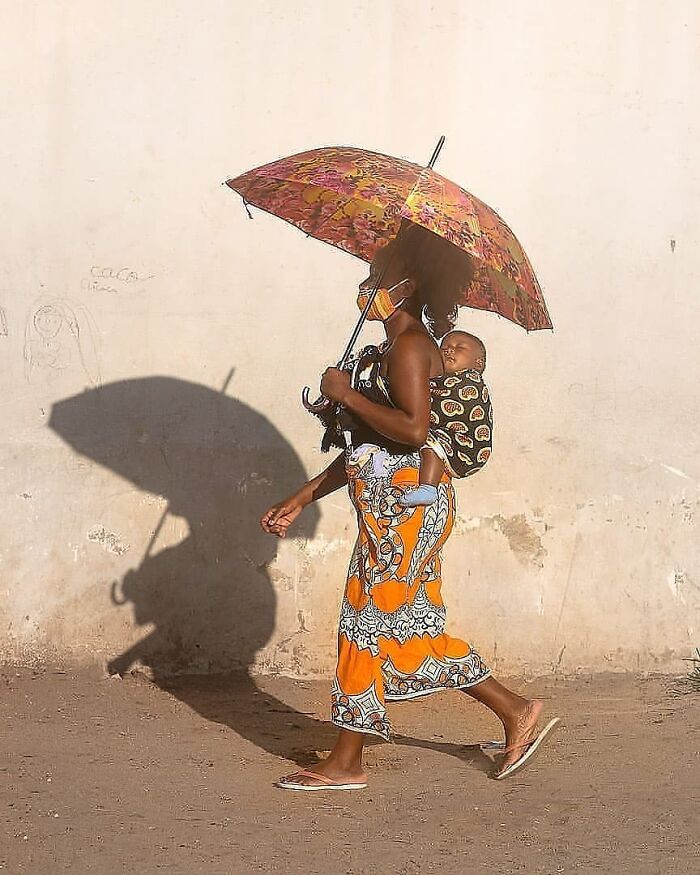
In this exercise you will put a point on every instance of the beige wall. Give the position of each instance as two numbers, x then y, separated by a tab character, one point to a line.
577	547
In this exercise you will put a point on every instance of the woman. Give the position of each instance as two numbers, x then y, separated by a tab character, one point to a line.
391	643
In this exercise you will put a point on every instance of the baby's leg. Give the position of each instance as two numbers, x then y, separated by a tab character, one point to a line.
431	470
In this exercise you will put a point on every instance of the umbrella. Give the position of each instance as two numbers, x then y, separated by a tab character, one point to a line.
356	200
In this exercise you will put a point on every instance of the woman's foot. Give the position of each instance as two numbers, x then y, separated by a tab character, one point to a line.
332	772
521	730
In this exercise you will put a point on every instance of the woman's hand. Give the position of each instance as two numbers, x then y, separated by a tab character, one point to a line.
335	384
280	516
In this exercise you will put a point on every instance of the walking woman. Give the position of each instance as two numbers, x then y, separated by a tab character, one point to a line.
391	642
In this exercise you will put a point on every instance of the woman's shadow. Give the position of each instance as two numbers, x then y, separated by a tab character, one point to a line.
210	600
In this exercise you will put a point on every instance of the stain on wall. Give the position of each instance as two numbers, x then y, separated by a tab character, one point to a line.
522	539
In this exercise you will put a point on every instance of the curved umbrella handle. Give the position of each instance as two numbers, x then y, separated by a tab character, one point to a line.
317	406
117	599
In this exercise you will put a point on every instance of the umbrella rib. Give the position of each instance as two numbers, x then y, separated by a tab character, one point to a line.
415	186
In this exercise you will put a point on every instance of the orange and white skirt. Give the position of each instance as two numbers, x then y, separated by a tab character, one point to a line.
391	640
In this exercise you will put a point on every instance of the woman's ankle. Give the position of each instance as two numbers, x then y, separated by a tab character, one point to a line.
345	763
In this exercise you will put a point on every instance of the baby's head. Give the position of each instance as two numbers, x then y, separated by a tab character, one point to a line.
462	352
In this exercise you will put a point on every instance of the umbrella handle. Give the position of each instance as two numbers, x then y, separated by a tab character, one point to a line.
317	406
322	403
116	600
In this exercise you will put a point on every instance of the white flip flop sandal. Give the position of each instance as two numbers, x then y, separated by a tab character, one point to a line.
325	783
530	747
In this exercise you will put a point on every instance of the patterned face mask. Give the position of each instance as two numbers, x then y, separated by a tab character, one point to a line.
382	305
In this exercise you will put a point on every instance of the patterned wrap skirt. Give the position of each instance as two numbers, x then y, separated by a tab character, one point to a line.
391	642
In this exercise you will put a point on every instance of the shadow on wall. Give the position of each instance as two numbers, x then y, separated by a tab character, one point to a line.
219	464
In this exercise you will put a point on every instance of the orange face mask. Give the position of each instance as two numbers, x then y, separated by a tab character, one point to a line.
382	306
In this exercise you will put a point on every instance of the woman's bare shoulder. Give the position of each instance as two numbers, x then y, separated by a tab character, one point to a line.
413	342
415	350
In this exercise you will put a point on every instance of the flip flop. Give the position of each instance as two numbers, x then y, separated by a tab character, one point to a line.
497	746
530	748
326	783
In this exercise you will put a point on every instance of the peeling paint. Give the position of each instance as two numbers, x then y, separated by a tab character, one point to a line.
150	500
110	542
686	510
321	546
466	524
540	604
676	581
281	581
251	481
77	550
523	540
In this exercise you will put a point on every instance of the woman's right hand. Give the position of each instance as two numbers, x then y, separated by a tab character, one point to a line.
280	516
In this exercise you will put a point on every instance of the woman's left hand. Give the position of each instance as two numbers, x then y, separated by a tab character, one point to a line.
335	384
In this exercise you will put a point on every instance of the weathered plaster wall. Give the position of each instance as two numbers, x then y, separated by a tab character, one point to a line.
126	265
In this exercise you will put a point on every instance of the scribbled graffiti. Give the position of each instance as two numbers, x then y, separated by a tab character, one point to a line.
61	339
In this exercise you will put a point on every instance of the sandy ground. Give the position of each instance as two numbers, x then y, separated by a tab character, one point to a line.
112	776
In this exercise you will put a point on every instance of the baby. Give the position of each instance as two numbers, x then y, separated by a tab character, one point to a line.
459	440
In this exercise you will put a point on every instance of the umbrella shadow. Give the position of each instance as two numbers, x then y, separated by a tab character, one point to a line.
209	601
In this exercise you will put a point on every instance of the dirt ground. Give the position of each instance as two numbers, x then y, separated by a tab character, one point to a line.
114	776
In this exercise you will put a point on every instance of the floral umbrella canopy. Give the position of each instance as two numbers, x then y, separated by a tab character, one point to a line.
356	200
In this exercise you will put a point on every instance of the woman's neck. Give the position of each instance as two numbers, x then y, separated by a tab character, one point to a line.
405	319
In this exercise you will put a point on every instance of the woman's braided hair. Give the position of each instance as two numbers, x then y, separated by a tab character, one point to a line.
441	272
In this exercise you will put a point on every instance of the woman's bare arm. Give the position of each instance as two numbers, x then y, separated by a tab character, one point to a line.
409	373
332	478
280	516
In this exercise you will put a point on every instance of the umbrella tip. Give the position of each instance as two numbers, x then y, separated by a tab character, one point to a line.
436	152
